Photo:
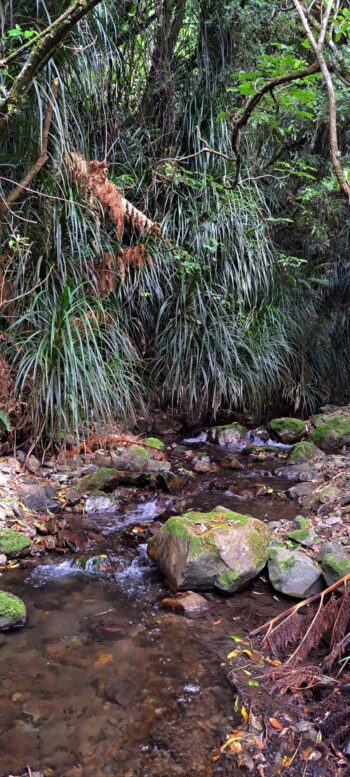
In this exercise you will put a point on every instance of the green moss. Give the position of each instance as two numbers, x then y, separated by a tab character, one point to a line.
226	578
341	566
155	443
298	535
302	451
324	418
235	427
139	451
12	610
13	543
99	480
302	523
341	427
293	425
284	563
260	449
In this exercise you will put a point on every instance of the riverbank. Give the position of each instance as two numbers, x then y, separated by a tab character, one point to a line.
99	644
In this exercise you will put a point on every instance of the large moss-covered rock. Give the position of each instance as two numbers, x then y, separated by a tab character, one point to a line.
293	573
335	561
288	430
220	549
13	611
331	434
106	479
230	434
13	543
303	452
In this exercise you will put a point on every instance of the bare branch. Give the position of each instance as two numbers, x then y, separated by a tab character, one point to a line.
317	47
43	155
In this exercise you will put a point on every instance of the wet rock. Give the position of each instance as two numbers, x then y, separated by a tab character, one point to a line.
95	565
100	503
202	463
13	611
230	462
220	549
332	433
13	543
50	542
9	465
301	490
102	459
3	560
37	497
303	452
260	449
73	496
288	430
229	434
335	561
293	573
188	603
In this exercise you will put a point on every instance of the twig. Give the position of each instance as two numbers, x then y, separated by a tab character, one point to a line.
43	155
269	624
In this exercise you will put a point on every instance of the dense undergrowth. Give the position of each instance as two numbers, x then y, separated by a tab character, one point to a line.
244	298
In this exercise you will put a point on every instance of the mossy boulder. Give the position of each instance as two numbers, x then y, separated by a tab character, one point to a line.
230	434
14	543
13	611
322	418
305	533
332	434
293	573
288	430
138	458
201	551
335	561
303	452
107	479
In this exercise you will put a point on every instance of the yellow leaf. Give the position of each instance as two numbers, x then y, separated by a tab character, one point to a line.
272	661
233	653
103	658
286	761
17	696
245	714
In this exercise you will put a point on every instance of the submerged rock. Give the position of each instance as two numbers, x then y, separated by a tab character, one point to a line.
293	573
188	603
13	611
220	549
13	543
106	479
100	503
331	434
335	561
230	434
288	430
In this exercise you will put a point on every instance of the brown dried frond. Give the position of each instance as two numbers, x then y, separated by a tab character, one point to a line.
133	256
105	273
285	634
92	177
341	622
321	623
285	679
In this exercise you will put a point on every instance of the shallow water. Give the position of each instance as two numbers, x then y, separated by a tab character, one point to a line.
102	681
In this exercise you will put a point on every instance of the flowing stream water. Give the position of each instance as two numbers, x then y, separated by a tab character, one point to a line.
102	681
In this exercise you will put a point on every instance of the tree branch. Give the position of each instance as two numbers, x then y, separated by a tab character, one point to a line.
42	51
43	154
317	47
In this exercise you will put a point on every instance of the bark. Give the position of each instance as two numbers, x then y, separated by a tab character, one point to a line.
40	54
317	47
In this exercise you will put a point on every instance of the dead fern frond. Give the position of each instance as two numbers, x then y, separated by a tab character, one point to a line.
93	180
284	679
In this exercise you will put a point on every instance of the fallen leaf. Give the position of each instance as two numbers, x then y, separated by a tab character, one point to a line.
235	638
103	658
244	713
276	724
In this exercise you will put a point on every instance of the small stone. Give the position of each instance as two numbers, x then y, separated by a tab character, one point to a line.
32	464
188	603
3	560
202	463
73	496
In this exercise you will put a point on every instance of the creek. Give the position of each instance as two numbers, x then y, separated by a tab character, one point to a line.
102	680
